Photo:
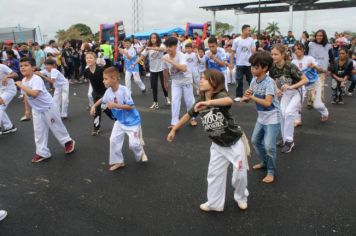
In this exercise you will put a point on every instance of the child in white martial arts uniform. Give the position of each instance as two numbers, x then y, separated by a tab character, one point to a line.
263	92
308	65
60	84
229	145
231	69
202	61
290	81
192	64
44	111
7	93
118	98
131	68
175	66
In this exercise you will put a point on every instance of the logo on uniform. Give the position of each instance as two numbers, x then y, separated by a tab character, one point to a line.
52	120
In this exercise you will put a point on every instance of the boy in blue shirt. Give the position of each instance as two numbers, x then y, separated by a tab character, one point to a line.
118	99
131	68
263	92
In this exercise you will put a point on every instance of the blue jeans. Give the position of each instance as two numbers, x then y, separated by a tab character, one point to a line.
264	140
240	72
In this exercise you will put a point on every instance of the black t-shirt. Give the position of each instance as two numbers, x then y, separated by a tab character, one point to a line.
289	74
96	80
217	121
344	70
67	55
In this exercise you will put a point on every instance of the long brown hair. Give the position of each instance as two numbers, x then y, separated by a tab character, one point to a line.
216	79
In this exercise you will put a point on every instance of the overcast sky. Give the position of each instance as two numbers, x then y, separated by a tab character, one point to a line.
60	14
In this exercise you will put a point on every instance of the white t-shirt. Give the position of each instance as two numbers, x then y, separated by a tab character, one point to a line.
303	63
51	50
155	59
192	62
243	50
5	70
202	64
59	79
44	100
178	77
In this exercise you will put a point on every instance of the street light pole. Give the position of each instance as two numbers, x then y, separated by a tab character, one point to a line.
259	18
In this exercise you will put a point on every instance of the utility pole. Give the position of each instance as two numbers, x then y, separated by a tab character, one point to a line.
137	16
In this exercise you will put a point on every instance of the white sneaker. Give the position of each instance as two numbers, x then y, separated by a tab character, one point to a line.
144	157
168	101
237	99
3	214
205	207
154	106
242	205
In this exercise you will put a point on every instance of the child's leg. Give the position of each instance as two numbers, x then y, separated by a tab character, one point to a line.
318	103
116	140
138	80
233	77
196	81
5	121
55	123
135	145
90	96
258	144
57	97
154	84
269	140
176	100
188	95
228	75
238	160
290	115
65	100
333	89
322	84
284	103
225	79
217	173
165	92
97	117
40	128
128	79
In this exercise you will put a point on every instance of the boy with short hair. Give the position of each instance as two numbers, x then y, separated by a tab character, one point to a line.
131	68
175	67
263	92
45	113
60	84
7	93
118	99
216	58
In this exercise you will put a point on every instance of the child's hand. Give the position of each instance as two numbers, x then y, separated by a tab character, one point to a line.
4	80
285	87
171	136
38	73
18	84
248	93
201	106
279	93
92	111
111	105
121	51
168	60
245	99
311	65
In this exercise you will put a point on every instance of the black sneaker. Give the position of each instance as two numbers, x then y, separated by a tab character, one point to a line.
95	132
8	131
334	101
288	147
143	91
341	102
280	143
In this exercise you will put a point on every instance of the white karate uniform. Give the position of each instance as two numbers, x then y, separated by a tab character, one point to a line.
46	117
90	96
181	86
290	106
61	92
132	70
220	159
193	67
122	126
231	75
7	93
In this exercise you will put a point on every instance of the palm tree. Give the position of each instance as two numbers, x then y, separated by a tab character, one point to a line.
272	28
254	30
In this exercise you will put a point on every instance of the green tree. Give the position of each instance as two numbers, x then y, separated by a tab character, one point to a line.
254	30
223	28
272	28
83	29
72	33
